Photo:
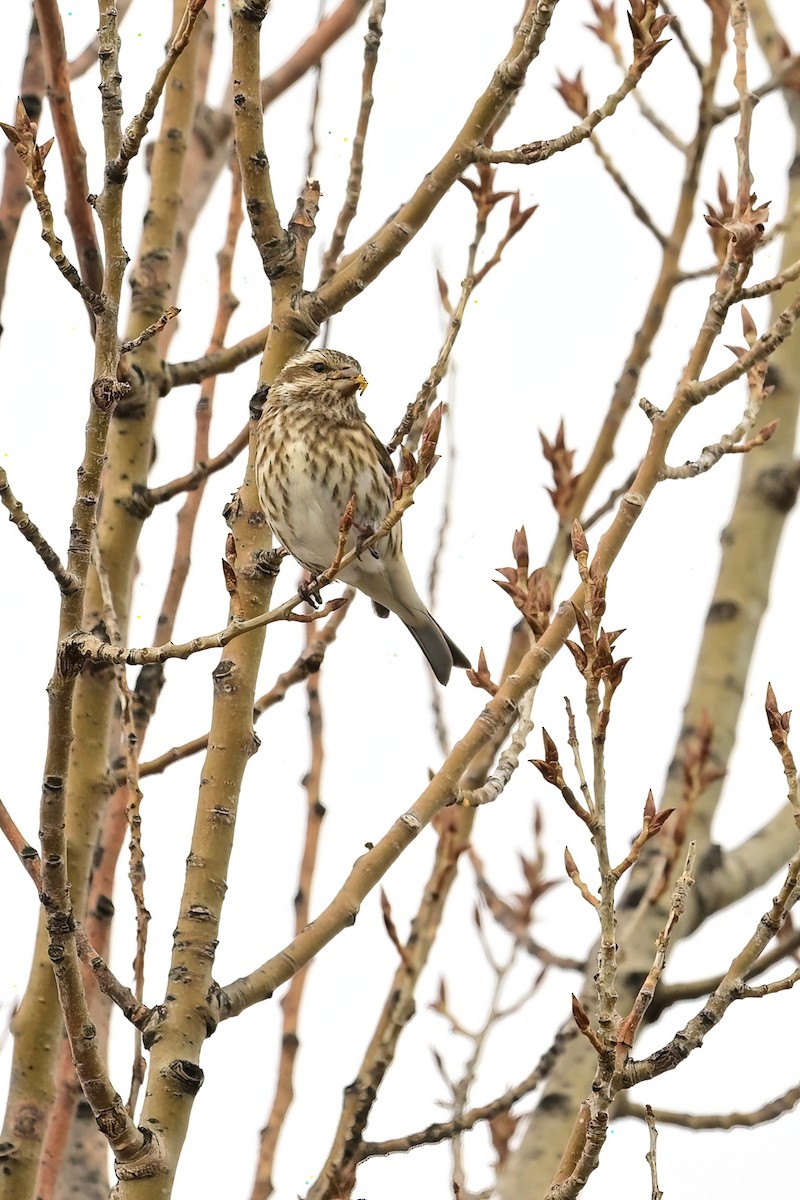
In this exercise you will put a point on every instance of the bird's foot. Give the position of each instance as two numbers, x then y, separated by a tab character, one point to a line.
308	590
268	562
364	533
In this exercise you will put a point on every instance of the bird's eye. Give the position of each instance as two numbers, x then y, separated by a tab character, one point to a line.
319	368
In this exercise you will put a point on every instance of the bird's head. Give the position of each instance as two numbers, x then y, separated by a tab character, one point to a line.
315	372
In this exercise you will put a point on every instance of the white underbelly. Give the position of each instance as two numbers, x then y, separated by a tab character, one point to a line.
305	511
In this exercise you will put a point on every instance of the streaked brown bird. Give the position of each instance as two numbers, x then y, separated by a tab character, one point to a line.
314	450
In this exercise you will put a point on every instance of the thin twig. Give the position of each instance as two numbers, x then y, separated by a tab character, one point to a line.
150	331
609	504
772	988
508	918
135	133
313	142
217	362
136	868
310	53
199	474
437	556
680	893
73	156
768	286
15	194
693	989
677	28
308	662
638	209
606	33
693	1034
349	208
108	983
655	1190
88	646
366	263
442	1131
22	136
17	515
777	79
733	1120
536	152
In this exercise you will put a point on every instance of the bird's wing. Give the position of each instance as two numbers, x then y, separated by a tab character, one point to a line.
382	452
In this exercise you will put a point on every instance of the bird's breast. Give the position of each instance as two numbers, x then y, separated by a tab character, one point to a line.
306	474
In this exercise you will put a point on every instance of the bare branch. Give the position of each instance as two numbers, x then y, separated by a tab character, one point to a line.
733	1120
311	52
366	263
17	515
150	331
306	664
22	136
638	209
349	208
202	471
73	155
445	1130
134	134
85	646
88	56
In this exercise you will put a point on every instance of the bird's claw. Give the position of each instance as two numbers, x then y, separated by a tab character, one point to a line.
268	562
308	590
364	533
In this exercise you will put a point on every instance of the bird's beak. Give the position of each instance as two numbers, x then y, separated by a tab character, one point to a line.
352	381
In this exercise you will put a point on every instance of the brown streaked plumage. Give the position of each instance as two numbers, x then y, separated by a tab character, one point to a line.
314	450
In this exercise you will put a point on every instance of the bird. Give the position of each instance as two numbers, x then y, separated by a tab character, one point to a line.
314	451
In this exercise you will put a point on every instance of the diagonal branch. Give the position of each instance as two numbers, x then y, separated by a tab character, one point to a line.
136	1012
17	515
310	53
366	263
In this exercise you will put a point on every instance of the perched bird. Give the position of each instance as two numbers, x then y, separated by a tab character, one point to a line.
314	450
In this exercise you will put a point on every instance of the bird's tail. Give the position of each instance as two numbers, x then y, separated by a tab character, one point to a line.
441	652
394	591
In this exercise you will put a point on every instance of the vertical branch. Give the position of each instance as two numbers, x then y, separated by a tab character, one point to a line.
372	43
765	496
210	146
667	277
313	143
290	1004
38	1019
136	867
151	678
73	155
76	779
437	707
265	225
454	827
190	1009
746	104
15	193
650	1157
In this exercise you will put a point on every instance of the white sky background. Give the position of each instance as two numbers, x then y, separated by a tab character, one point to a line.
544	338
